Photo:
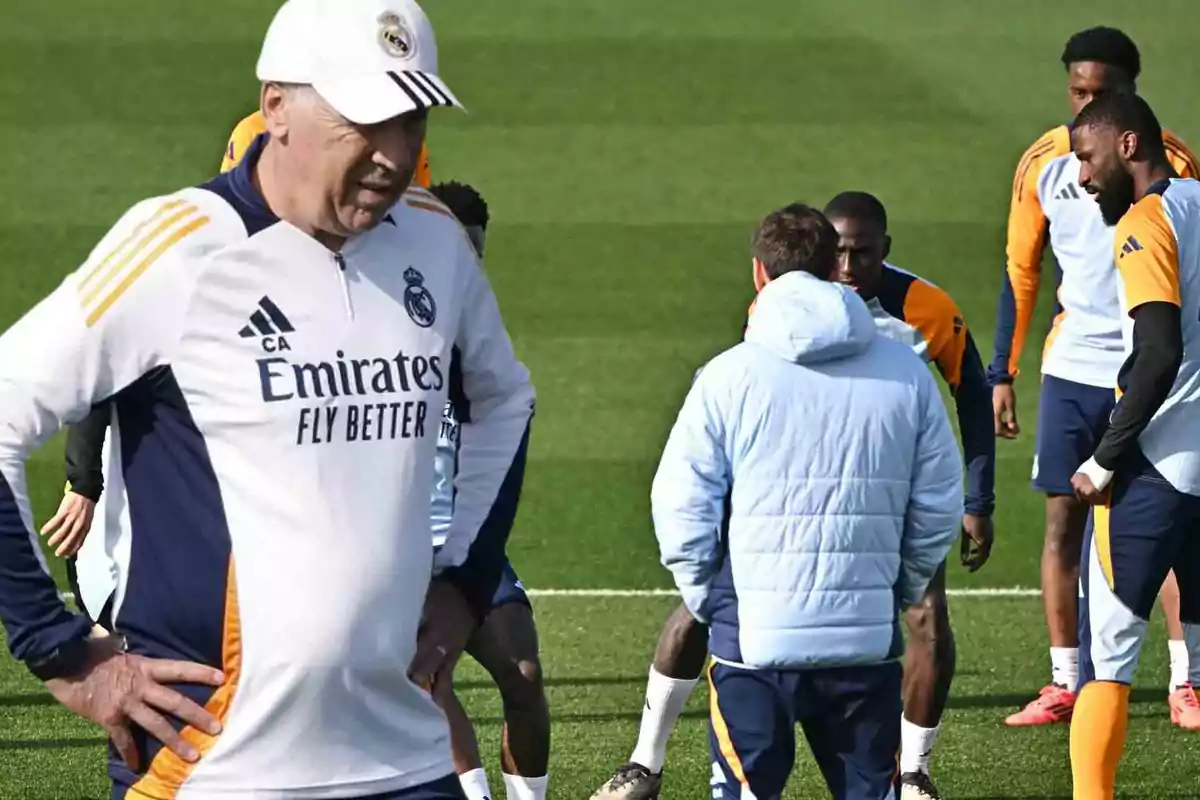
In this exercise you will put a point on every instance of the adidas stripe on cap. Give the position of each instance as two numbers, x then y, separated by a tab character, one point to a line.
370	59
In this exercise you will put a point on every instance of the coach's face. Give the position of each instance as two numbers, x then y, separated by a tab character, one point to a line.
862	247
1102	168
350	175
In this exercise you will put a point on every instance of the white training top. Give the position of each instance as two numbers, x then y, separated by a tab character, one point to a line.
278	409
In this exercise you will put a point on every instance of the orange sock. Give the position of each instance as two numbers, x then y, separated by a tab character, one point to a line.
1098	727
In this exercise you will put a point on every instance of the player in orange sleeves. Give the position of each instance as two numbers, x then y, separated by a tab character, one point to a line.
911	310
1143	478
1081	357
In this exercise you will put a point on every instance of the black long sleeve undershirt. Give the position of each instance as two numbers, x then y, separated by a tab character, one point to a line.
84	452
1146	379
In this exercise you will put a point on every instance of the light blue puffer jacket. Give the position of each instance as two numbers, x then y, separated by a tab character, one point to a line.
810	487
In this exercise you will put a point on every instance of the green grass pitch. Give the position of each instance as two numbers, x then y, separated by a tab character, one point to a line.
626	148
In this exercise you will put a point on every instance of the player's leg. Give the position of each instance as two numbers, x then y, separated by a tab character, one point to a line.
506	645
1185	712
851	726
928	673
752	731
464	747
678	664
1062	547
1180	698
1070	418
1133	544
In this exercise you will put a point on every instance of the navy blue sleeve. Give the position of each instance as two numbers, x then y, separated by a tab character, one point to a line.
1002	345
478	577
35	619
84	452
973	400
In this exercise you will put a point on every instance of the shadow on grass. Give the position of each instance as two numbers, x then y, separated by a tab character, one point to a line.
960	701
51	744
26	700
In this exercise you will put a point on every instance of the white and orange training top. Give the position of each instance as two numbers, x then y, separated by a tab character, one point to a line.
1157	250
1084	345
278	408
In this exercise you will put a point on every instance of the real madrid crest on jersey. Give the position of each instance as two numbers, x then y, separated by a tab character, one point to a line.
418	302
394	36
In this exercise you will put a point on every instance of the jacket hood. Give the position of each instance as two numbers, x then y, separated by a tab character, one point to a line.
806	320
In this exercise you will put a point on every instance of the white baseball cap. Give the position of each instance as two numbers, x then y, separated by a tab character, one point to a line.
370	59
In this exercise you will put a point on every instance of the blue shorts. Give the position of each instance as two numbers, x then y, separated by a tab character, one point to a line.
1071	419
1147	529
448	788
850	716
510	590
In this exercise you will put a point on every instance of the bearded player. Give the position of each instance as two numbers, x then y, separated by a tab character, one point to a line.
1080	360
1143	477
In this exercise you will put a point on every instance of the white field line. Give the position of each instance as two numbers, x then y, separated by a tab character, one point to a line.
1009	591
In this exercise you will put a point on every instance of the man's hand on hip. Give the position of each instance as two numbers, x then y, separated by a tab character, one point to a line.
978	534
446	626
118	690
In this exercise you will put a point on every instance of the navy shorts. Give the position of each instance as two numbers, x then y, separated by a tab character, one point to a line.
850	716
510	590
447	788
1146	529
1071	419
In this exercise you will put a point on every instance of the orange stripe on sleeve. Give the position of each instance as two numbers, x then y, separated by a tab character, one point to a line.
182	211
141	226
1026	235
1147	255
166	244
935	314
168	772
1181	158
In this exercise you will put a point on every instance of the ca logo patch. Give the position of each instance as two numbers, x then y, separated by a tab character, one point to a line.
394	36
418	302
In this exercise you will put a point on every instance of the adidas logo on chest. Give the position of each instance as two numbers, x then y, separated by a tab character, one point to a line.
270	323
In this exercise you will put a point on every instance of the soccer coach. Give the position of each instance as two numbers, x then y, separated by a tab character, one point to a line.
807	493
278	345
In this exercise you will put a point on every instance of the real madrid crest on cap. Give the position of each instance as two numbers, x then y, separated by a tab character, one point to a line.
418	302
394	36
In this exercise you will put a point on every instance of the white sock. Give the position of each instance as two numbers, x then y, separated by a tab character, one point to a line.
1064	667
518	788
475	785
1178	650
916	745
665	699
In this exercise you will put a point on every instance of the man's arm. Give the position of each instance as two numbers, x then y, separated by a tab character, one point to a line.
84	452
1148	261
493	401
104	326
689	495
1026	239
935	504
952	348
